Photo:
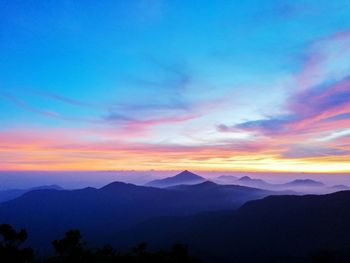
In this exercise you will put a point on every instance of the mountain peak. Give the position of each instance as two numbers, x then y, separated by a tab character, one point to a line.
187	174
245	178
185	177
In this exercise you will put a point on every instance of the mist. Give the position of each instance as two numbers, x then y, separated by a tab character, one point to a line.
81	179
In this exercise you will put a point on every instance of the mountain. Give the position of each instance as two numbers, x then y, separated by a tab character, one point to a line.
226	179
246	181
298	185
289	229
302	183
249	179
184	177
47	214
258	183
10	194
223	196
339	187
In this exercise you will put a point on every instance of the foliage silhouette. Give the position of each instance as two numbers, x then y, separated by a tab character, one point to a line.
72	249
10	250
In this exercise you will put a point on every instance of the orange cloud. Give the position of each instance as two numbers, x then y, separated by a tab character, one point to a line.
66	150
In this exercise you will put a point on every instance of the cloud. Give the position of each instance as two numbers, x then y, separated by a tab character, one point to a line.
325	59
318	108
44	112
171	81
138	115
24	105
321	101
93	149
96	149
64	99
142	126
303	151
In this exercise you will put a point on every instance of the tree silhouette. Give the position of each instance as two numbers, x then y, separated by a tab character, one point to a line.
70	248
179	251
323	256
106	254
10	242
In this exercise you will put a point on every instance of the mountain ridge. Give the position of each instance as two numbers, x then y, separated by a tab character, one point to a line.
289	229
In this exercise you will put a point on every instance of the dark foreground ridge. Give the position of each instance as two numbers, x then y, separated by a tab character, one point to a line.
310	228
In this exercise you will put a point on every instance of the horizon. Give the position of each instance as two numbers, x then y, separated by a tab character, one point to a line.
81	179
154	84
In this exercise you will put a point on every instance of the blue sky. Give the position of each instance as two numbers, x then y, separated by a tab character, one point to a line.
170	74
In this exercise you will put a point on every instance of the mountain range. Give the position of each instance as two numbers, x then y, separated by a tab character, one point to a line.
299	185
116	206
189	178
220	223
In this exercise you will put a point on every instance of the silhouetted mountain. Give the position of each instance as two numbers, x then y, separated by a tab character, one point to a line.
100	212
223	196
275	229
10	194
184	177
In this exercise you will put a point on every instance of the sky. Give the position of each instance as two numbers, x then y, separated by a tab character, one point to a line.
170	85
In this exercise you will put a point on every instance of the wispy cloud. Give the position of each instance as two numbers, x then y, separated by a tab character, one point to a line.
21	103
137	116
304	151
319	105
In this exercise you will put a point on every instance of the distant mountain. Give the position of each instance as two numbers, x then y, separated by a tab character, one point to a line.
339	187
258	183
246	181
303	183
226	179
184	177
99	212
249	179
10	194
298	185
289	229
